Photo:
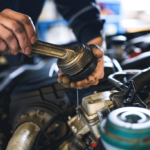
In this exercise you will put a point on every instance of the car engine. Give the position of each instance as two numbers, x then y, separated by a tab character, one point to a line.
37	113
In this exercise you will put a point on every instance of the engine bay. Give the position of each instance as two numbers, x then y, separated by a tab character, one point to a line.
38	113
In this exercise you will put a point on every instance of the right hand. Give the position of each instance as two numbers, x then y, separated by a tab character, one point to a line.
17	32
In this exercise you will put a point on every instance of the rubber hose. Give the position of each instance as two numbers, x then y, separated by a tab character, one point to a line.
140	80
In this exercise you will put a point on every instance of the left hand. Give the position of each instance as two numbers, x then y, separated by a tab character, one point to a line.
94	78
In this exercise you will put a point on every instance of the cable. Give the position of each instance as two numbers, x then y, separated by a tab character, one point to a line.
50	122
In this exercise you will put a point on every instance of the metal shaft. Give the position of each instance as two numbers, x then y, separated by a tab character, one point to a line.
52	50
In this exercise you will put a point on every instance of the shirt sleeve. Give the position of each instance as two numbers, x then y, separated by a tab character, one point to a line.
83	17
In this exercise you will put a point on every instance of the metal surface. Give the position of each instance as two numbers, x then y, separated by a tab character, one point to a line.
24	136
86	116
96	101
74	64
117	83
71	60
52	50
36	114
87	125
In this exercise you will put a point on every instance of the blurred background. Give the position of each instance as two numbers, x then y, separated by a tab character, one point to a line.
121	17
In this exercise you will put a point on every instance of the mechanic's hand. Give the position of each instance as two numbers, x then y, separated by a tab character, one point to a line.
93	79
17	32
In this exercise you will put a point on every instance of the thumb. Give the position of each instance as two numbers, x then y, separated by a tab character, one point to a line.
97	51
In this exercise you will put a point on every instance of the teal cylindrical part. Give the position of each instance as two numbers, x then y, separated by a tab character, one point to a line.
126	128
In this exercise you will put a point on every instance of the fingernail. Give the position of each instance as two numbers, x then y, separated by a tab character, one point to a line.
28	50
65	80
33	39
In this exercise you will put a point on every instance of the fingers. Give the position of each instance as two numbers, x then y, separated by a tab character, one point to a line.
2	45
16	31
25	21
98	52
96	42
94	78
73	85
30	55
9	38
66	82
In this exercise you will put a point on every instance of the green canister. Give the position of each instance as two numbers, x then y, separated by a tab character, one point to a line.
126	128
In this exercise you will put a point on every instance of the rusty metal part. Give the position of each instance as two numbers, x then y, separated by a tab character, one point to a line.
24	136
40	117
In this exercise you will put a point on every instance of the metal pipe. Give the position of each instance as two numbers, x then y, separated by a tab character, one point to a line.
117	83
24	137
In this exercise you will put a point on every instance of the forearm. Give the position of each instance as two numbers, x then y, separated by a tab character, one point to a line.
83	17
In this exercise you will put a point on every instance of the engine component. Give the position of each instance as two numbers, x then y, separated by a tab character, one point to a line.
24	136
126	97
96	101
34	114
76	62
86	129
118	47
50	129
40	116
126	128
137	83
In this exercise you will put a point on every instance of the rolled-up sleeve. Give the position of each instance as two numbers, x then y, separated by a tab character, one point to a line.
83	17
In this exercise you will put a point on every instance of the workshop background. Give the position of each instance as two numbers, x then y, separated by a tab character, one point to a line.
120	16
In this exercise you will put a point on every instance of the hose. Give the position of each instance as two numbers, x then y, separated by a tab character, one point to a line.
140	80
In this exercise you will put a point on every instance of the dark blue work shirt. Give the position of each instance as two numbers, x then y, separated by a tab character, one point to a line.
31	8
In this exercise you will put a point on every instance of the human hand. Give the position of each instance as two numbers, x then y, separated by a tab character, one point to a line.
94	78
17	32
